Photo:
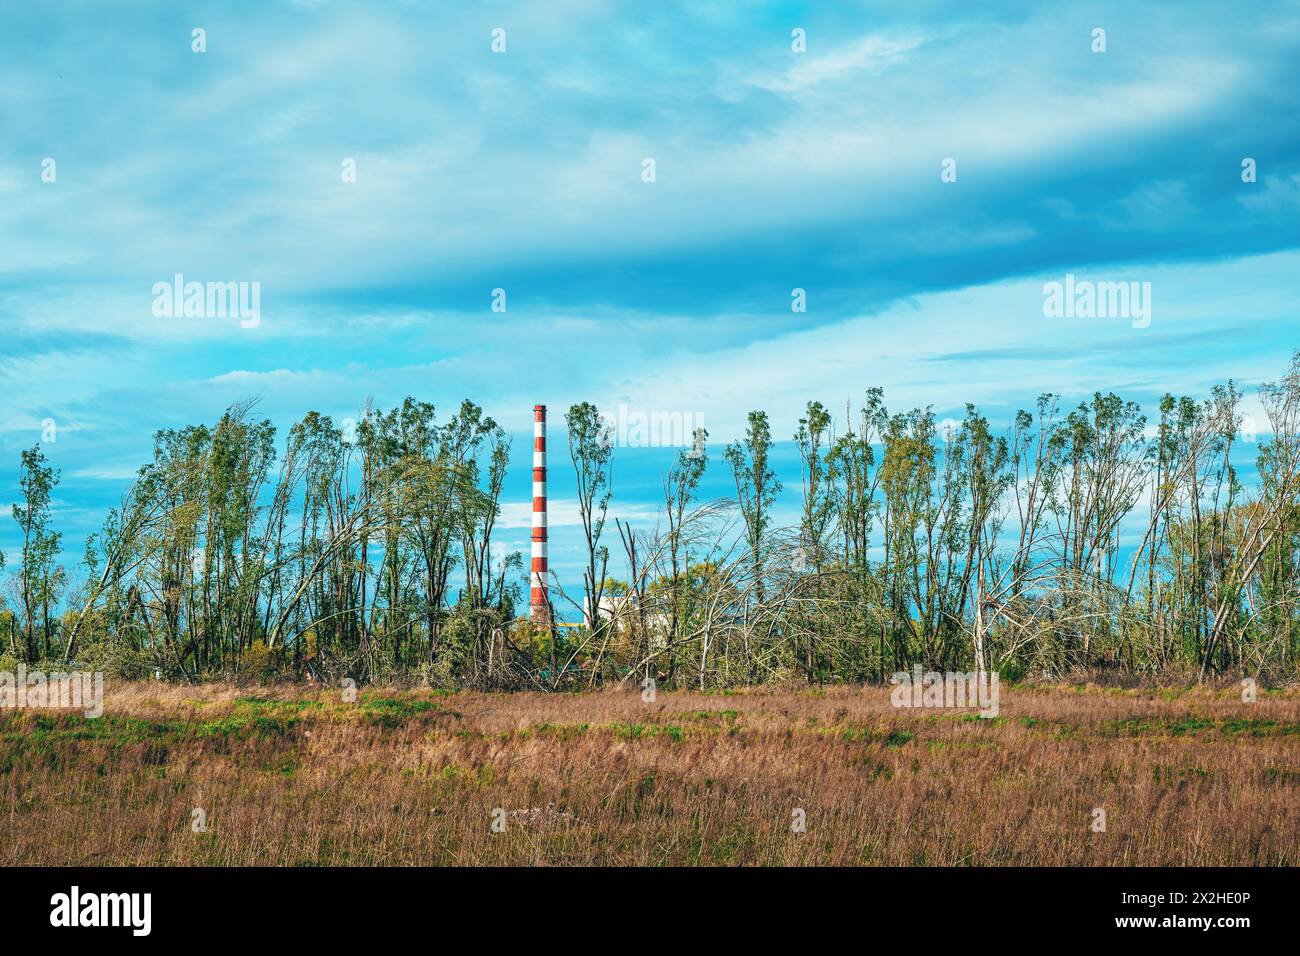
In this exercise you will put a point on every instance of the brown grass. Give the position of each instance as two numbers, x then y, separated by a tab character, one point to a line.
291	776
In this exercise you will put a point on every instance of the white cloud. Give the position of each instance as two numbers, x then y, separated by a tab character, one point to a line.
1275	196
563	512
870	54
121	473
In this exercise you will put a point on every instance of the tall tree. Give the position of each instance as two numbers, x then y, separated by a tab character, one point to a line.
756	488
680	487
38	571
591	451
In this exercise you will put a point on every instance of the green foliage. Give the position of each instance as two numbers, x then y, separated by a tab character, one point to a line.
1084	541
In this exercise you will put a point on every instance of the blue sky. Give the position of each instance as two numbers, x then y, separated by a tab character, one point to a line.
522	170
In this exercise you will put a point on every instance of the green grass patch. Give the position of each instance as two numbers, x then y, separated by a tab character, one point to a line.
642	731
259	707
49	729
1196	726
725	716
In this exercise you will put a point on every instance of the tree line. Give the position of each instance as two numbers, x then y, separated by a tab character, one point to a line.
1090	537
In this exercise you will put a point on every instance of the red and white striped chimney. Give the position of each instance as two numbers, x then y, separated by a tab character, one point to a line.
539	609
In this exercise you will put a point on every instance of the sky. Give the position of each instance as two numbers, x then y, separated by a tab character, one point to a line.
920	171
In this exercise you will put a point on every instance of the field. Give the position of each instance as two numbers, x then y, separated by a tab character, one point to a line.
220	775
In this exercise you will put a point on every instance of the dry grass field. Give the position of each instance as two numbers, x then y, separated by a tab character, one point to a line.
292	776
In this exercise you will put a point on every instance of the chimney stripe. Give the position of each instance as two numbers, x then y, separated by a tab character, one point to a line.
539	610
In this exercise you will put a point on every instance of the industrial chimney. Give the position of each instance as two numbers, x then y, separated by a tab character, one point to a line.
539	607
